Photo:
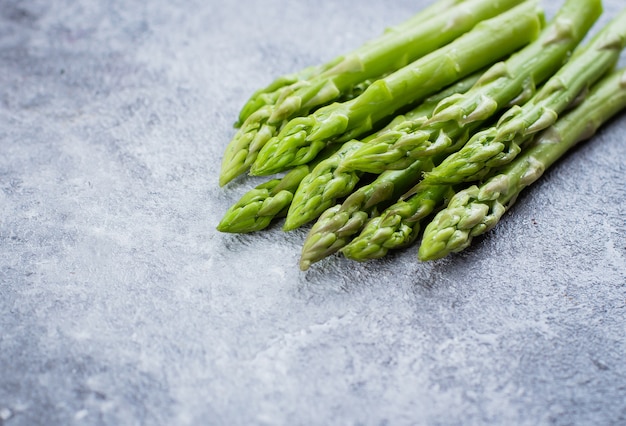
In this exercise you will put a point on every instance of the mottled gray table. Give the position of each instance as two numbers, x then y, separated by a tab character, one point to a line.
121	304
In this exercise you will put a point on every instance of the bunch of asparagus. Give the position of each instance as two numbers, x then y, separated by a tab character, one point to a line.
439	124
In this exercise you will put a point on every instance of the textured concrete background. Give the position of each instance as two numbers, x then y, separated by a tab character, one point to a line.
121	304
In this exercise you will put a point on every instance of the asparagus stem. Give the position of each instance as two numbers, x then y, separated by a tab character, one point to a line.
320	188
500	144
337	225
303	137
398	226
436	26
257	208
509	82
477	209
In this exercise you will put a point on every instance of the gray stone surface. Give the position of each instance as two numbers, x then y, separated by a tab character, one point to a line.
120	304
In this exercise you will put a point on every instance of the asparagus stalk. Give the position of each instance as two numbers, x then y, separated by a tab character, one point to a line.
337	225
500	144
329	180
477	209
258	207
303	137
436	27
509	82
320	188
283	85
399	225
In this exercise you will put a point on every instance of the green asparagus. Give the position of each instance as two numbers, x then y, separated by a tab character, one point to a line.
259	206
256	209
464	154
510	82
337	225
500	144
397	226
438	26
303	137
477	209
320	188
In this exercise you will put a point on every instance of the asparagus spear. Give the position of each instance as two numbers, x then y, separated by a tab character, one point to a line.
500	144
477	209
337	225
329	181
255	132
398	225
289	83
259	206
320	188
437	27
509	82
303	137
